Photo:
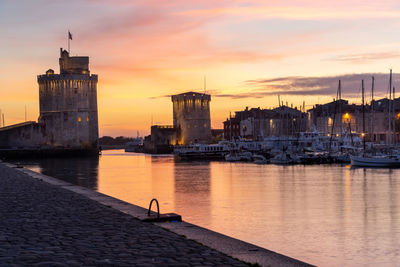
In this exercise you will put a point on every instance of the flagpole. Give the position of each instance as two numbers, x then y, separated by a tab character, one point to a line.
68	42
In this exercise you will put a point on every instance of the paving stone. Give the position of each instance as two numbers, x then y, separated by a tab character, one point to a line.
45	225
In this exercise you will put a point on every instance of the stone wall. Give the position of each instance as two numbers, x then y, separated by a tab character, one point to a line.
27	135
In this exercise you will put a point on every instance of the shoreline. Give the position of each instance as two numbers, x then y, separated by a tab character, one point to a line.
227	245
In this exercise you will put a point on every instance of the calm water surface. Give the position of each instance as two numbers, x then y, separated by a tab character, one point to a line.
328	215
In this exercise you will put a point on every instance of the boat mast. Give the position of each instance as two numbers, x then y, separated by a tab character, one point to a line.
389	113
394	117
372	109
340	106
363	113
338	95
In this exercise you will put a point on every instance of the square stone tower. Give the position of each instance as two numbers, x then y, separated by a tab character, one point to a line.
68	104
191	114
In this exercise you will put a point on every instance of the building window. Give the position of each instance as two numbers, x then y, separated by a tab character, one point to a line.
205	125
87	119
79	119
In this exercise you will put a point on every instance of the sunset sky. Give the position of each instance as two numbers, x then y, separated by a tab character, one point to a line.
249	50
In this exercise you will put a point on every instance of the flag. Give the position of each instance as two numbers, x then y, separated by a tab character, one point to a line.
69	36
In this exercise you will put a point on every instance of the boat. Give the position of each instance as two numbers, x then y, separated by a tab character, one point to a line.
202	151
259	159
239	156
134	145
375	161
340	157
284	158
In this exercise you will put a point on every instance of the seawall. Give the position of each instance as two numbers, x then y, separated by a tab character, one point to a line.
63	222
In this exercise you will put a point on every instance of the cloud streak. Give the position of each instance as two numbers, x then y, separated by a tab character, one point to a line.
314	86
366	57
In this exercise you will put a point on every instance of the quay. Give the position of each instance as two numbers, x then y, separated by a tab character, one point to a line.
49	222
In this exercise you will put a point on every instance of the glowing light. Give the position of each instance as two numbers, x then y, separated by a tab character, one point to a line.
346	116
79	119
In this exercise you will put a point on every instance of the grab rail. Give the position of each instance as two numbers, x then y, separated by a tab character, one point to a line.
158	208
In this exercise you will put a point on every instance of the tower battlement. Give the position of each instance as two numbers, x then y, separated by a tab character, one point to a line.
73	65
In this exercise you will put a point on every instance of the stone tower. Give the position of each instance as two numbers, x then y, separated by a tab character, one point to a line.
191	113
68	104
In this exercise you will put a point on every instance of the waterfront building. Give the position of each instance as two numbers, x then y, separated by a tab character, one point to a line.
232	128
68	111
339	117
161	140
258	123
191	115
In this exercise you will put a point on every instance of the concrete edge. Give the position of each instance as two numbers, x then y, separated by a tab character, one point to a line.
230	246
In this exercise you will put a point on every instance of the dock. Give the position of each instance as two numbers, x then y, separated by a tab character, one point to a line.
49	222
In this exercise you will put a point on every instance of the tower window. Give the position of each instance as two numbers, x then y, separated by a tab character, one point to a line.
87	119
79	119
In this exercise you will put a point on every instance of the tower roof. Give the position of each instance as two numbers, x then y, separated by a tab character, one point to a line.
191	94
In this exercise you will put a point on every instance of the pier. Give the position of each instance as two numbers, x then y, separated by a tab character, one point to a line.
48	222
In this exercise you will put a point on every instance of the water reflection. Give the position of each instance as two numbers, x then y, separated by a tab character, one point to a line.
327	215
192	190
80	171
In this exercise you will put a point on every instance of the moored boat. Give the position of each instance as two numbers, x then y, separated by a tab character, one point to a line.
377	161
239	156
259	159
202	151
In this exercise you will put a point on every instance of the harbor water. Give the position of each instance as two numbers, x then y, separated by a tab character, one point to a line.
327	215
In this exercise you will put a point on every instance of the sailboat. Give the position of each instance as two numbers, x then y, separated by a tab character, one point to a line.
373	161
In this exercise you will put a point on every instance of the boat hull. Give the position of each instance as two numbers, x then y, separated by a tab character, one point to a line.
374	162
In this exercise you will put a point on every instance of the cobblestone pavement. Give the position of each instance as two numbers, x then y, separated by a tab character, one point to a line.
44	225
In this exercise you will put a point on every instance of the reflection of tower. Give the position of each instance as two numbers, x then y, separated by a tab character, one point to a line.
68	104
193	196
80	171
191	113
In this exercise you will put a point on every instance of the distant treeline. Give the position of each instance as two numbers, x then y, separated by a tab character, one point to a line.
117	141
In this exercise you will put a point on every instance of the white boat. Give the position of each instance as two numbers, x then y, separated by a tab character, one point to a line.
133	145
282	159
239	156
382	161
259	159
202	151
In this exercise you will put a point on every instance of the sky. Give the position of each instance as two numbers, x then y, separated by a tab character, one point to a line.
250	51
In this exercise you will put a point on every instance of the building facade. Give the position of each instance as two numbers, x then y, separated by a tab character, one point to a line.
374	120
258	123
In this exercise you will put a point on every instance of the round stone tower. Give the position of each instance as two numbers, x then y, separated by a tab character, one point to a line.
68	104
191	114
